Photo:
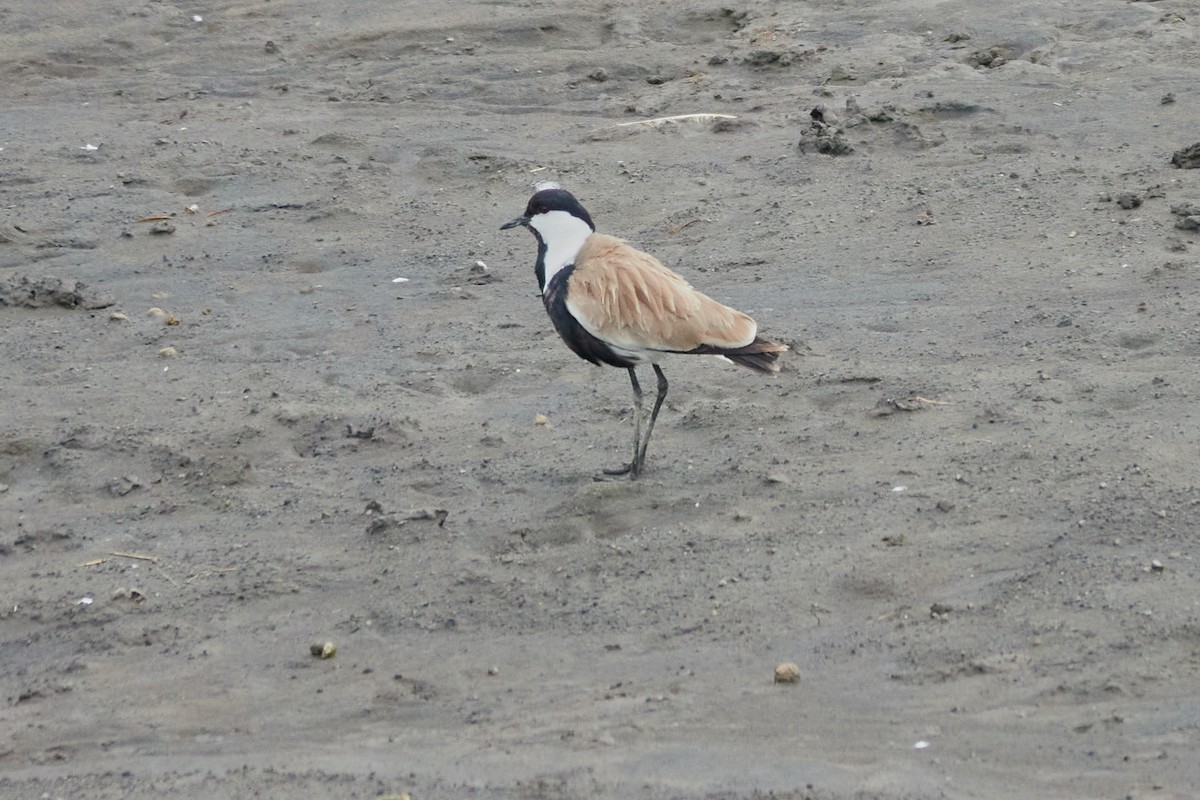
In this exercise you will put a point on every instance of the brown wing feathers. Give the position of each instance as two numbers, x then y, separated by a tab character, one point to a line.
627	298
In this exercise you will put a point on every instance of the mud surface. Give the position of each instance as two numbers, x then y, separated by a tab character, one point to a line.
967	510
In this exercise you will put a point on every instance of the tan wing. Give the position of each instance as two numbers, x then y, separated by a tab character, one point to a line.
626	298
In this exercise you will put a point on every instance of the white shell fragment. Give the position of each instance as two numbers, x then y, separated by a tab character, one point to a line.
787	672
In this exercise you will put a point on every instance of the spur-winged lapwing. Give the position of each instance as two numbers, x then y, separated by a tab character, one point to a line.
616	305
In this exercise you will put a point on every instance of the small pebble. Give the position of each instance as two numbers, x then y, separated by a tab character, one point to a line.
323	649
787	673
117	316
168	352
1128	200
541	419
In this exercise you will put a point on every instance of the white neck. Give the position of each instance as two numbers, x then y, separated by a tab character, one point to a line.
564	235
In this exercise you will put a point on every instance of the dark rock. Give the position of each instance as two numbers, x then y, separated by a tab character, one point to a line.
1129	200
48	291
1188	157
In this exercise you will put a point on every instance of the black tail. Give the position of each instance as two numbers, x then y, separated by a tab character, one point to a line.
761	355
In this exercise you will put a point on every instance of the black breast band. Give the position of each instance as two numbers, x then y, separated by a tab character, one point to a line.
583	344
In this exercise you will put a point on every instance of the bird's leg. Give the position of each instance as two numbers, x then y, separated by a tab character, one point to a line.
639	459
633	466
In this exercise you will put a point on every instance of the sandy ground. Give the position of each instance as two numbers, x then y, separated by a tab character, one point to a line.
967	509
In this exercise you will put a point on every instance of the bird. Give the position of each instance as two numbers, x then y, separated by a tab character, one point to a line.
618	306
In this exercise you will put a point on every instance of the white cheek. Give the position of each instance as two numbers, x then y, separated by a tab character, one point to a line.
564	234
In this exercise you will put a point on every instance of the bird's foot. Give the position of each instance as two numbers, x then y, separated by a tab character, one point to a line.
629	469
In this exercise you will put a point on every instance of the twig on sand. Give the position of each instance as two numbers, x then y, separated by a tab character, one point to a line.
138	556
660	121
166	575
677	228
211	571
